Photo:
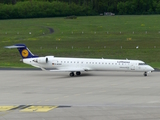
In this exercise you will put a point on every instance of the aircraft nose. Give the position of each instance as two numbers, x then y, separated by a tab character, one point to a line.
151	68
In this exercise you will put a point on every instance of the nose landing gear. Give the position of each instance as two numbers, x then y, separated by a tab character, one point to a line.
145	73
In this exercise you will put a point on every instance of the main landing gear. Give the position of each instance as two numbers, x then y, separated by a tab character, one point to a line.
77	73
145	73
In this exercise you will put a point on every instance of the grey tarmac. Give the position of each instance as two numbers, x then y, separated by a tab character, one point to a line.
42	95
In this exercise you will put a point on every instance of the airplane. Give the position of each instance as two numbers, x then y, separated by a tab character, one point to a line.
78	65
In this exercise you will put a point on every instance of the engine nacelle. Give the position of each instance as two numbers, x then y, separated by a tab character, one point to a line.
41	60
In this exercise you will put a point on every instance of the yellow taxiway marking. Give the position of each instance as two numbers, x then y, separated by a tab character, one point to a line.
38	108
5	108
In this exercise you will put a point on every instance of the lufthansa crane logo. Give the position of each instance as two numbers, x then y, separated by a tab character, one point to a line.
25	53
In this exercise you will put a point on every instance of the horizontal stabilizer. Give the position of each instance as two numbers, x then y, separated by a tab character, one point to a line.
23	50
14	46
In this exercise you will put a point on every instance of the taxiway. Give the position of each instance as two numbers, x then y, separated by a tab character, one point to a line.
35	95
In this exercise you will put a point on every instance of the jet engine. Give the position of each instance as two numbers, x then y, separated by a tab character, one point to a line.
41	60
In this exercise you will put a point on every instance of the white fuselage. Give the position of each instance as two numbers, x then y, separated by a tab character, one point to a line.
84	64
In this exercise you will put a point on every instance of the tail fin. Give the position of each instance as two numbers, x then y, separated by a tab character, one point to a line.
23	50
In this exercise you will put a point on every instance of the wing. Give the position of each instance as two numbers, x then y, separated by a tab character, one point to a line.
69	70
73	69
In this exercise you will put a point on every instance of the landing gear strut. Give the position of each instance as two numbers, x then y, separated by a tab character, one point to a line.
71	74
145	73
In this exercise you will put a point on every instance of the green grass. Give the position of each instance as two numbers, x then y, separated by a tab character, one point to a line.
101	34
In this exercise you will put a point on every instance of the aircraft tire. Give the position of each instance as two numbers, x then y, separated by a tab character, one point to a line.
71	74
78	73
145	73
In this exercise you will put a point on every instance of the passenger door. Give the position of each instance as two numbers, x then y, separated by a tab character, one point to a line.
132	67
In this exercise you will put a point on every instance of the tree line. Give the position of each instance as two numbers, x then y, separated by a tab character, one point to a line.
54	8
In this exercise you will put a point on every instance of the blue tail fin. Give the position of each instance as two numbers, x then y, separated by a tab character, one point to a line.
23	50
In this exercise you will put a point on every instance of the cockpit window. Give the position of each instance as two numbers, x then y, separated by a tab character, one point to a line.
142	64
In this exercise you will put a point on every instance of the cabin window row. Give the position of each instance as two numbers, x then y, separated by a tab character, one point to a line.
93	63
